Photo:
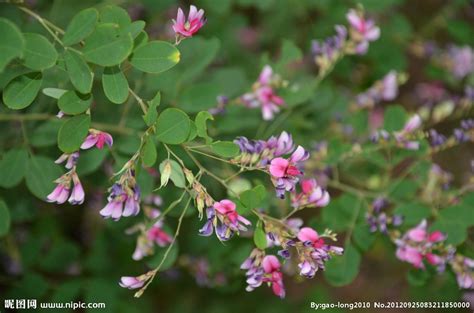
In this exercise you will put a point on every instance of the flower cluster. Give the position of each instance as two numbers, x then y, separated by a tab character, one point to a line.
417	245
285	172
263	94
459	61
313	251
378	220
263	269
403	138
328	51
362	31
385	89
187	28
224	218
124	197
63	189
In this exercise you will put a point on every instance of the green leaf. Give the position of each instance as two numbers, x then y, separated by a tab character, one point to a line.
13	167
40	176
73	132
106	46
135	28
74	103
22	90
418	277
412	212
192	131
12	43
90	160
289	53
81	26
55	93
4	218
454	221
199	97
151	115
362	236
155	57
341	270
340	214
116	15
45	134
177	175
201	125
148	153
79	72
115	84
394	118
172	126
253	198
39	53
259	236
226	149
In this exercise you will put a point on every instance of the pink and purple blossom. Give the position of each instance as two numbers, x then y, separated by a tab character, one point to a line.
362	30
311	195
263	95
187	28
223	217
63	190
97	138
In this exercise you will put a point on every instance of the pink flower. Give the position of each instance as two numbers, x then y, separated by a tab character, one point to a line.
59	194
271	266
131	282
225	219
157	235
264	95
188	28
307	234
362	30
71	159
410	255
97	138
312	195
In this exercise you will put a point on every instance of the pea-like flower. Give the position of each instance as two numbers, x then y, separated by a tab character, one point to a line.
264	95
264	269
311	195
63	189
418	244
285	172
187	28
313	251
363	30
224	218
97	138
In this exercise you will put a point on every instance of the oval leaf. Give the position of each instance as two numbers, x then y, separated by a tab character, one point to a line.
172	126
13	167
149	152
115	84
116	15
12	43
226	149
74	103
155	57
81	26
22	90
79	72
106	46
40	176
73	132
39	53
342	270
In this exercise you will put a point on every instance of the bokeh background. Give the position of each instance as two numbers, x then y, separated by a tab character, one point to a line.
69	253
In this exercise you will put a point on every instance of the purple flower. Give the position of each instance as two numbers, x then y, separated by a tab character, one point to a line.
311	195
71	159
328	50
224	218
122	201
97	138
385	89
460	61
